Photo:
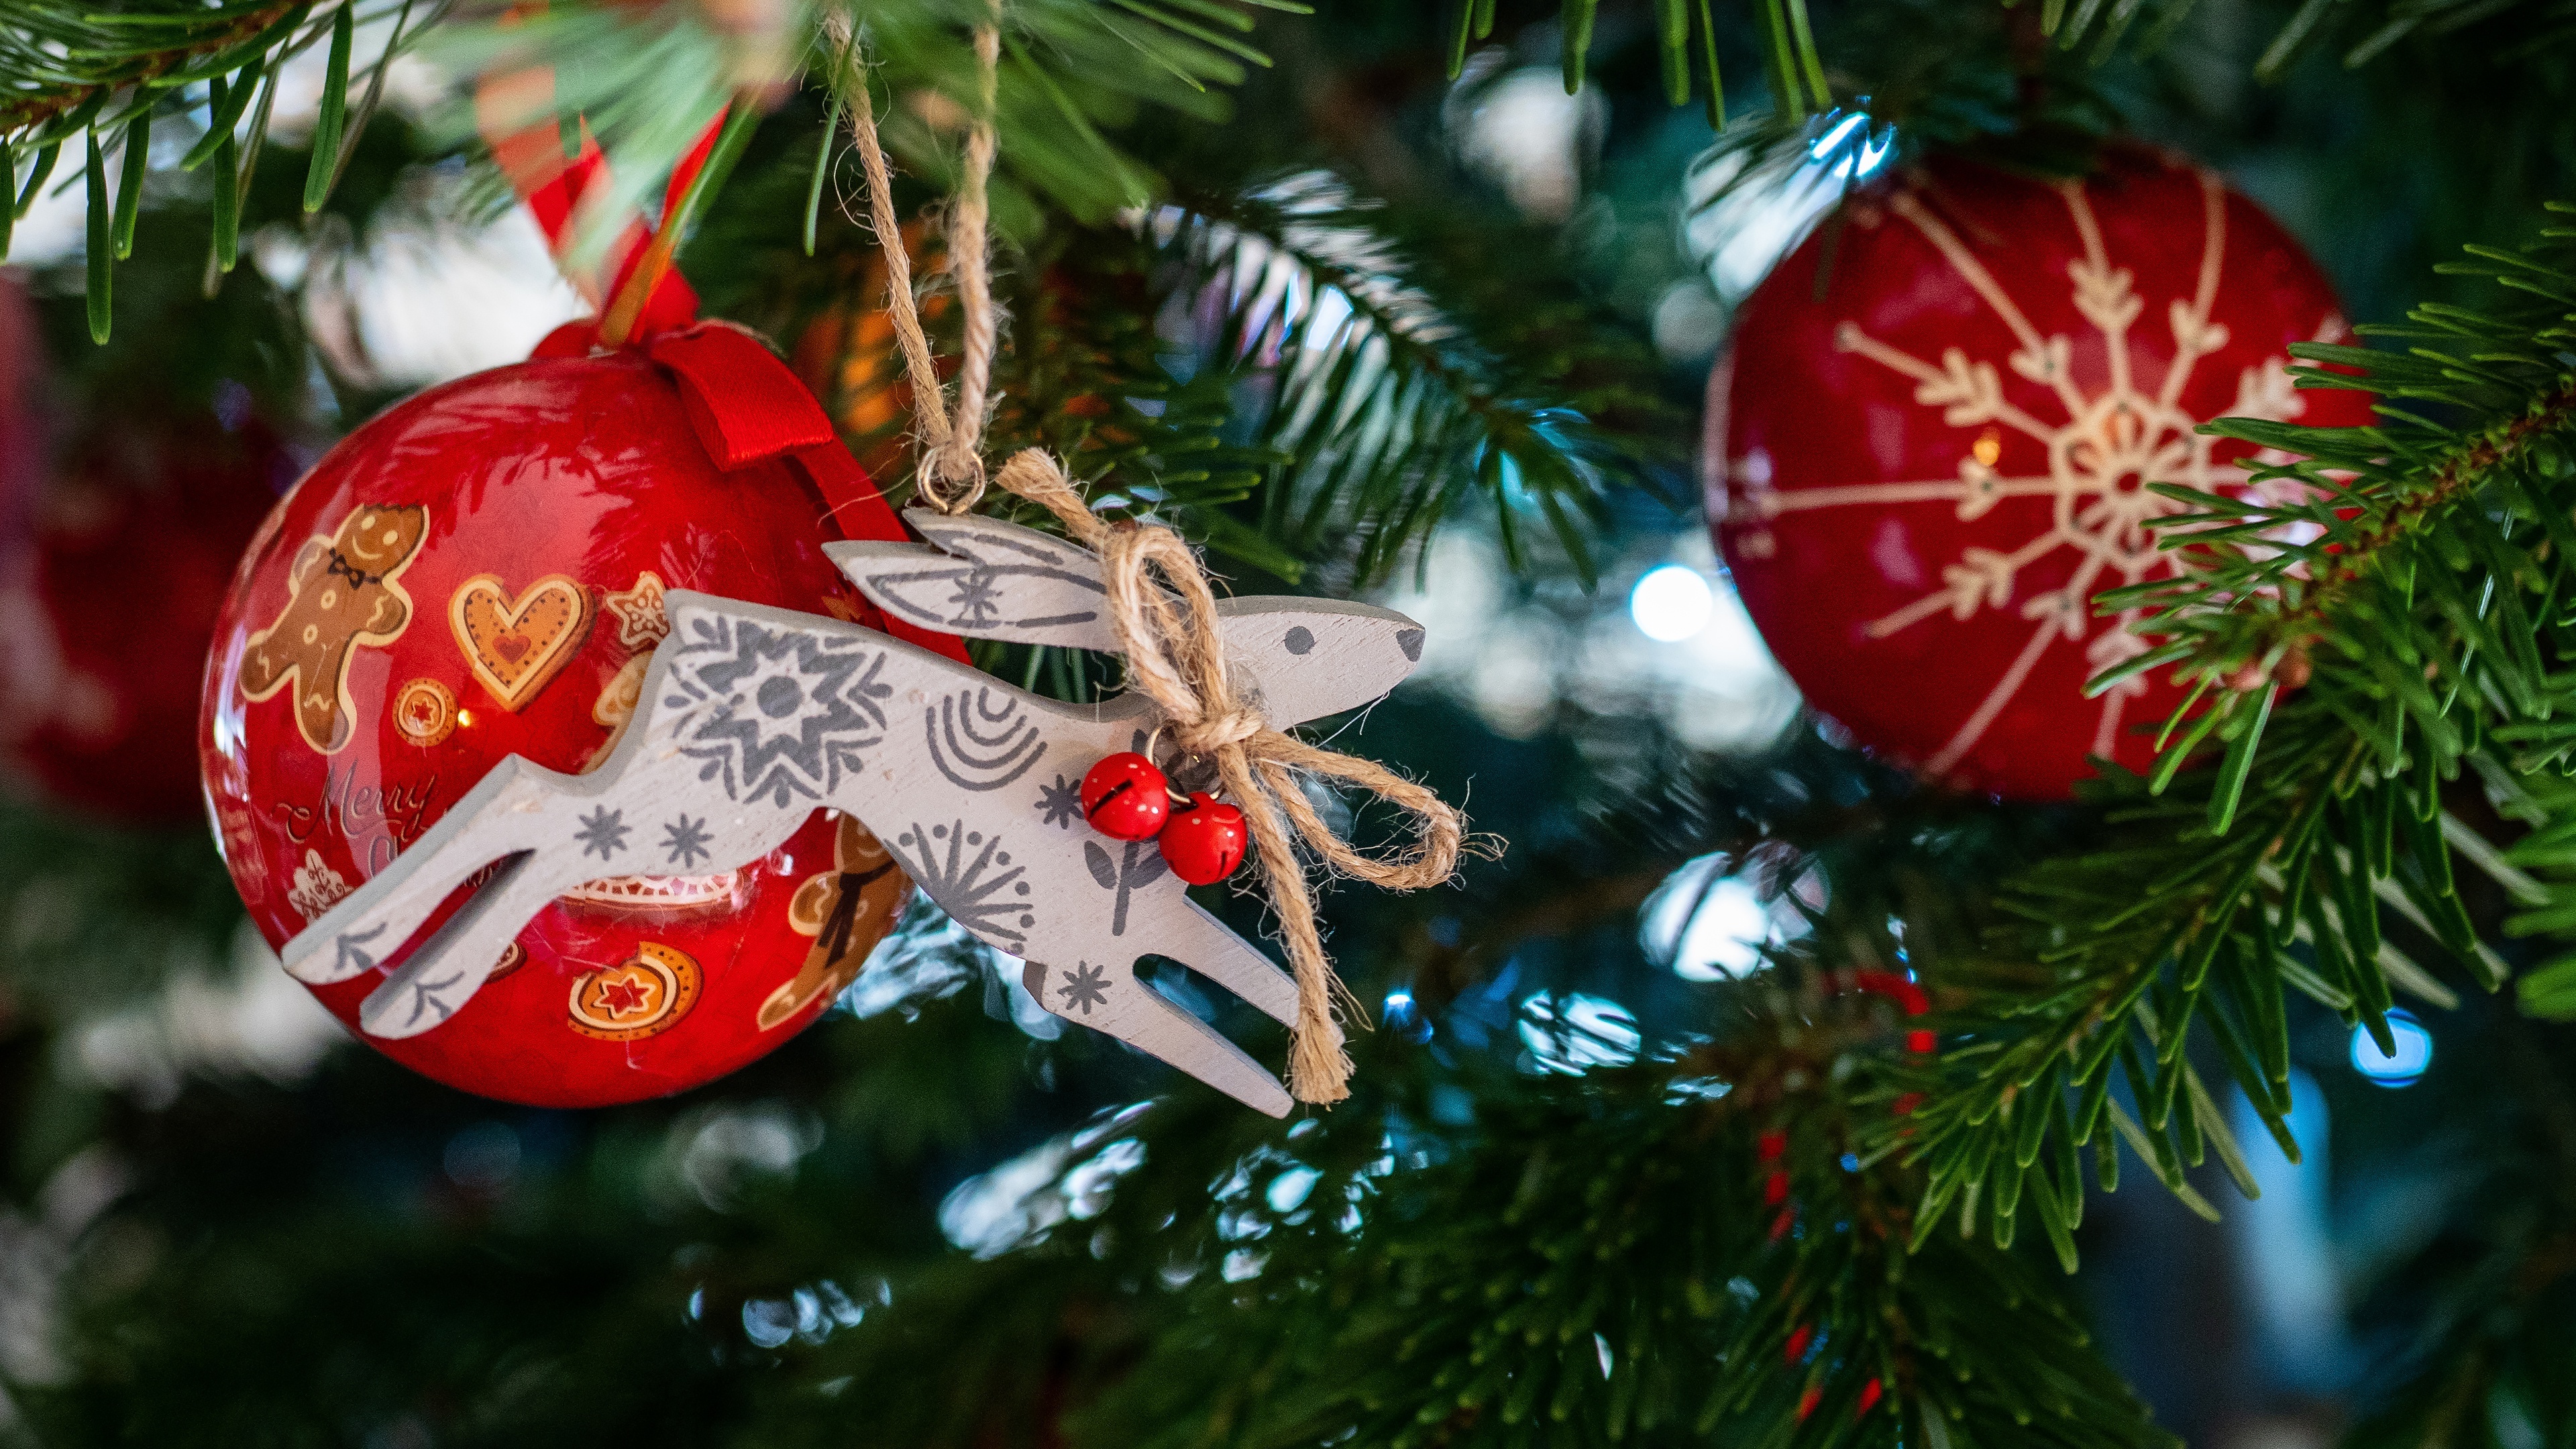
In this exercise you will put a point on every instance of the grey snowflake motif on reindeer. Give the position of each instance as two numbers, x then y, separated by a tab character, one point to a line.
685	840
1085	987
1060	803
605	831
977	600
777	714
972	877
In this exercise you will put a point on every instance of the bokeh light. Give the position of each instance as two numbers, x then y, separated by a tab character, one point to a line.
1671	603
2403	1067
1711	922
1403	1016
1576	1032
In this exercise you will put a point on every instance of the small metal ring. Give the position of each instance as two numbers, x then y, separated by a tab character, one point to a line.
1187	773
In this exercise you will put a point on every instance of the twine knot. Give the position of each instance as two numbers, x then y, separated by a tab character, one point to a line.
1207	735
1164	611
1161	606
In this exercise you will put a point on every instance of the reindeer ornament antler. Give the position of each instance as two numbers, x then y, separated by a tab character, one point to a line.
752	717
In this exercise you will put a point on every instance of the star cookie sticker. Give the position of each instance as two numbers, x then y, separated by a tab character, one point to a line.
641	622
625	997
644	995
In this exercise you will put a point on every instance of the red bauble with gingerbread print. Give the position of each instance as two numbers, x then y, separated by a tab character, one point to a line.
1923	465
479	573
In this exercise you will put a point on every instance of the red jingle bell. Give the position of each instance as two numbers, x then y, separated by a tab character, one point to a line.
1204	843
1125	797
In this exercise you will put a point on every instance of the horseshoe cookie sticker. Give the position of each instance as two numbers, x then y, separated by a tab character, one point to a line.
341	594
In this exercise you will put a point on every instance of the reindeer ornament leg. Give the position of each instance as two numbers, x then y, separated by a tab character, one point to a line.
1304	659
752	717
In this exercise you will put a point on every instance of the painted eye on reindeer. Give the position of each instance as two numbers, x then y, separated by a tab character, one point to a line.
1300	640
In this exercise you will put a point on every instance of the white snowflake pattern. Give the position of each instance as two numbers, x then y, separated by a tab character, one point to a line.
2112	443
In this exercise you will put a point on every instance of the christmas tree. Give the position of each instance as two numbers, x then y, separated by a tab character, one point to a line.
2140	427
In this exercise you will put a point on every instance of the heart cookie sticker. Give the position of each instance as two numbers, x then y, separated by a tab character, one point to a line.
515	645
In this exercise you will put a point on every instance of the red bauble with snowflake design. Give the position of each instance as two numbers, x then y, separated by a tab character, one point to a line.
1922	469
479	573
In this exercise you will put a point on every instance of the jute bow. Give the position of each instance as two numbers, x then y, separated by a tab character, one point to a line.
1161	605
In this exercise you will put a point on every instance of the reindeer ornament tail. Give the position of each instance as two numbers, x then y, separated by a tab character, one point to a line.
750	718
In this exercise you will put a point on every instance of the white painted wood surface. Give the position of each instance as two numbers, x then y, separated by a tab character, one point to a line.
752	717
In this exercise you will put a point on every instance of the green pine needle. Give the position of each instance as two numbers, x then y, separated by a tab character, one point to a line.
129	189
334	113
102	252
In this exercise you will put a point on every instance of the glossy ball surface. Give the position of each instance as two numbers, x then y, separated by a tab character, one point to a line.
1204	843
478	573
1921	475
1126	797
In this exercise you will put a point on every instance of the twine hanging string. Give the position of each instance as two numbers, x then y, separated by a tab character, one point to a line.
1160	604
950	477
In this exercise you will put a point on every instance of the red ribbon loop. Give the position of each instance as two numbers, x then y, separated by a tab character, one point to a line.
743	402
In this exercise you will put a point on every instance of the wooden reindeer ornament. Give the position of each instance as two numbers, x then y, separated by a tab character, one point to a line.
751	718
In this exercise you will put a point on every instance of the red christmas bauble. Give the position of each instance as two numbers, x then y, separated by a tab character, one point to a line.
115	549
133	548
479	573
1923	466
1126	797
1204	843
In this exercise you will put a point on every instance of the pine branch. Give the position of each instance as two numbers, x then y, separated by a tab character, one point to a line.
1619	1258
1912	79
1086	378
648	80
99	78
2364	34
2382	606
1398	406
1085	374
56	58
1686	47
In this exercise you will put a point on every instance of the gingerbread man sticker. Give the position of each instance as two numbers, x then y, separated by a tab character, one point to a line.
846	910
341	593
